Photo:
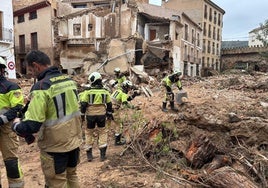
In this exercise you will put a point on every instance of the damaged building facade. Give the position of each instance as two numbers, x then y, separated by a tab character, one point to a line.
88	35
33	29
109	34
210	17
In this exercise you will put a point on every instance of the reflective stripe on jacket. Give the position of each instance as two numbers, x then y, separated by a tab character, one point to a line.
120	98
54	103
96	99
11	100
167	82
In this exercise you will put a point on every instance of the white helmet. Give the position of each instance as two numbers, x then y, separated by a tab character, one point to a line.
2	63
94	76
117	70
176	72
127	84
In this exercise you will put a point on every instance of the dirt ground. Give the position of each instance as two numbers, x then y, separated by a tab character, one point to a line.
231	110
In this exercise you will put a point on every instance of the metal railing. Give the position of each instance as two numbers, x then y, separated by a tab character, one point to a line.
6	34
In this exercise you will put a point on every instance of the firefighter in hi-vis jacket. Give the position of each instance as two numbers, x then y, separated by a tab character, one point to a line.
121	99
119	77
54	113
11	103
167	82
96	105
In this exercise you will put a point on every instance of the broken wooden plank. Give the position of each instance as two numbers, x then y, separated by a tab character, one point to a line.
147	94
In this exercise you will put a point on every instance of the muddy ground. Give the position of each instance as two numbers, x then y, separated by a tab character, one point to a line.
230	111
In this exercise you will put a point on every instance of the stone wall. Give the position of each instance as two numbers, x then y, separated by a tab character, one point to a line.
249	58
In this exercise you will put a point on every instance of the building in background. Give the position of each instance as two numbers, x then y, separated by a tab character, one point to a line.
117	29
210	17
191	45
34	30
6	36
253	37
170	28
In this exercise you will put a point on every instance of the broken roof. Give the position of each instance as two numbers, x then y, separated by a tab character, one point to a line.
161	13
157	11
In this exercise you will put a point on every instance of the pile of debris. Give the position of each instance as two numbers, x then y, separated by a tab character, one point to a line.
217	139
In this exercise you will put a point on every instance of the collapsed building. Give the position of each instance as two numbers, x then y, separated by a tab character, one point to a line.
87	35
107	34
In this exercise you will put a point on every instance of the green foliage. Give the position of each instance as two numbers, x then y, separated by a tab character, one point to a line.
264	30
165	149
159	138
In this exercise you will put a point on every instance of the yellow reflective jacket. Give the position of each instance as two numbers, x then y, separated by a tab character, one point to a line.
11	100
95	100
54	112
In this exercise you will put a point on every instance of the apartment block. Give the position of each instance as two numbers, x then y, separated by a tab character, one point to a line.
210	17
34	30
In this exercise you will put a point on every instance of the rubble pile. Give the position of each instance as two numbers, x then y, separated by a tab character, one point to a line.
219	138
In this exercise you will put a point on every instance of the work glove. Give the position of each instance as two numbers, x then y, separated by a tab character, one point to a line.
137	92
113	84
109	115
133	95
29	138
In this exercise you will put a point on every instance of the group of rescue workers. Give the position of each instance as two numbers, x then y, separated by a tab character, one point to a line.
56	111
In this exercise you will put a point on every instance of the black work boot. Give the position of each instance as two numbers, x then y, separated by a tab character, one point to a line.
172	106
89	155
118	140
103	153
164	107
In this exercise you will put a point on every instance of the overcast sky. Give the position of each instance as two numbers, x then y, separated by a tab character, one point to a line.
241	16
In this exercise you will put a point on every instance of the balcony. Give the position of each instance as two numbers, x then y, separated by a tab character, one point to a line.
6	35
22	50
191	58
186	57
80	42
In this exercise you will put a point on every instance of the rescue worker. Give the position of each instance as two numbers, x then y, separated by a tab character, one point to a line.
121	99
167	82
95	106
11	103
54	113
120	77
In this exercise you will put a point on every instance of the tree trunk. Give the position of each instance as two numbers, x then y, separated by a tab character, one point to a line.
200	151
227	177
